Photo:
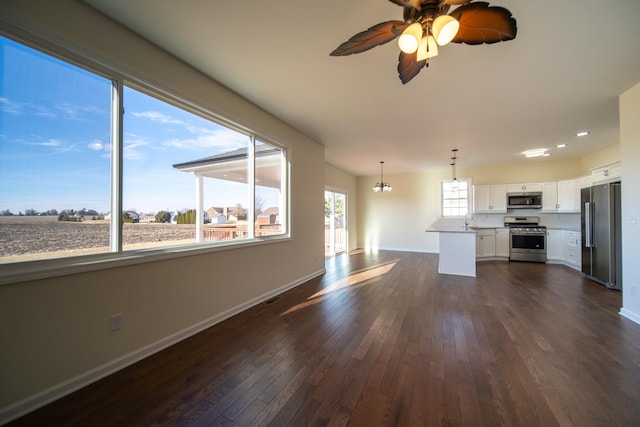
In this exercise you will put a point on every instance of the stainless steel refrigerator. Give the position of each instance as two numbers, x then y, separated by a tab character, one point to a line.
601	234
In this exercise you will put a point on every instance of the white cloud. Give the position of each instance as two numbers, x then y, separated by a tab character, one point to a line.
96	145
49	143
76	112
221	139
132	143
8	106
159	117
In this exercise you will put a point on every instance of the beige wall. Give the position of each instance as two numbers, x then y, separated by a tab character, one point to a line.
606	156
54	332
538	169
397	220
630	151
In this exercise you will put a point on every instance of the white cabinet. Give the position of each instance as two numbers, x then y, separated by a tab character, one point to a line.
554	245
573	248
607	173
564	247
561	196
499	198
568	196
529	186
502	242
490	198
482	198
550	196
486	243
583	182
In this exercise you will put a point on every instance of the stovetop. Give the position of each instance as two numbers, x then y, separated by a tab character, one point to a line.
524	223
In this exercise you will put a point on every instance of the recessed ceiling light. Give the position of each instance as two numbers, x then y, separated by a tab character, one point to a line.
536	152
561	146
583	133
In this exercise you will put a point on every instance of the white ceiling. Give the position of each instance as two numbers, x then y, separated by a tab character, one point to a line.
562	74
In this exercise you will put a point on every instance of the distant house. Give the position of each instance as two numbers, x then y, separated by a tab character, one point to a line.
220	215
220	166
269	216
147	218
128	214
132	215
216	216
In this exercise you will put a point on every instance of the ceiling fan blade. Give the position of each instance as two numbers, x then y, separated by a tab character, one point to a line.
481	23
409	67
375	36
455	2
410	14
407	3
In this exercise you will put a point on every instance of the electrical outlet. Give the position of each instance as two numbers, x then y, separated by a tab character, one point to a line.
116	322
634	291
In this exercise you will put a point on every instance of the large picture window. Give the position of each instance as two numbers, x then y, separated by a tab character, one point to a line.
54	157
186	178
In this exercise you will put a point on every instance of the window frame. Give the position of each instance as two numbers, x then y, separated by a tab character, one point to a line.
469	198
53	267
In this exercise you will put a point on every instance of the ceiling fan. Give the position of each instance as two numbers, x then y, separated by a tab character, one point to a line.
428	24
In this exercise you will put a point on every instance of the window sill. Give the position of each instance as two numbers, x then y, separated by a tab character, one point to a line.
36	270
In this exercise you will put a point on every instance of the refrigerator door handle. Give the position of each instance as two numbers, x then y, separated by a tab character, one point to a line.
592	222
587	225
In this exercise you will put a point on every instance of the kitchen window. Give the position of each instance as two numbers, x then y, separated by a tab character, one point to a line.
455	197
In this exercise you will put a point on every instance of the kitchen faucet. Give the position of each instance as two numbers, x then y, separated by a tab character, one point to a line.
467	219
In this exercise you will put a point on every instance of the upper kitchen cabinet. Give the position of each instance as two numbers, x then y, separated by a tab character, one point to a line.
526	187
608	173
561	196
584	182
490	198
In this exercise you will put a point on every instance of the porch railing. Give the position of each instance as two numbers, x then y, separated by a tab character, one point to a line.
233	232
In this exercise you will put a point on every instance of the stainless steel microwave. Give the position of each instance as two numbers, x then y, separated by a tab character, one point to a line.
530	200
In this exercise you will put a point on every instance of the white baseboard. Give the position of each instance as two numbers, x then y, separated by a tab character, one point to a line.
38	400
630	315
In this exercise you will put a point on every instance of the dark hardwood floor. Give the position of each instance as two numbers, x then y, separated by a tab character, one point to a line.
383	339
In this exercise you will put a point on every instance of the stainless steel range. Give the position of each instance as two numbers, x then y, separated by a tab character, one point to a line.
527	238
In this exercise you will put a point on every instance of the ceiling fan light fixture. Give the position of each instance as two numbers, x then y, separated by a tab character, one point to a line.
444	29
470	22
409	40
428	48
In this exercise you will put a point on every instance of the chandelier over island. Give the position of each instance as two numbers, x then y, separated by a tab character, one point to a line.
381	186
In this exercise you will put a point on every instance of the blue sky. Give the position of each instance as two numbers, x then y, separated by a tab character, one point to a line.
55	142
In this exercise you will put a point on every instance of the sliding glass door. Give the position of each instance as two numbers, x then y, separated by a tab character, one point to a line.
335	223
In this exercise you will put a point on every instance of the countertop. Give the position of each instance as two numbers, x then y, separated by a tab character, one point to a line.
564	228
454	229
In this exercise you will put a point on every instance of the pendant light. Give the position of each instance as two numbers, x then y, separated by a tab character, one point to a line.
454	182
381	186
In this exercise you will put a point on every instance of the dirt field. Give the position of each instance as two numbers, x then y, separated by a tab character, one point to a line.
23	238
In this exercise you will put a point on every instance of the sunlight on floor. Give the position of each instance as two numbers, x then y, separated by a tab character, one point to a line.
354	281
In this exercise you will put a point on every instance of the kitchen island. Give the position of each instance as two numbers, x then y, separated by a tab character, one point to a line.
457	250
